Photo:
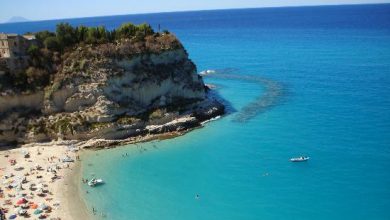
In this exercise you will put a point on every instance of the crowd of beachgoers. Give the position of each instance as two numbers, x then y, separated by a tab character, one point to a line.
33	181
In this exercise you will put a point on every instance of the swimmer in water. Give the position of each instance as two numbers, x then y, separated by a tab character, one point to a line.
197	196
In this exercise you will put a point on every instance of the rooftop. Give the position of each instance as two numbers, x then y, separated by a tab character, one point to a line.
5	36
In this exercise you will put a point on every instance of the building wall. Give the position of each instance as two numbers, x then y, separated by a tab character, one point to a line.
13	50
4	48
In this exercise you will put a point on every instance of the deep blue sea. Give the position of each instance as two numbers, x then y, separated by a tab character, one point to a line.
307	80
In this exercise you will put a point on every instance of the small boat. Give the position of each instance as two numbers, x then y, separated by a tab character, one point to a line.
299	159
93	182
206	72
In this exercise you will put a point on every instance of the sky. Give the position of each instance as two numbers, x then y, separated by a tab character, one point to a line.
56	9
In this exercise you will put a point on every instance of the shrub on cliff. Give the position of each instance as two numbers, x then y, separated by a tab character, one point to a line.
33	51
42	35
37	76
129	30
52	43
66	35
96	35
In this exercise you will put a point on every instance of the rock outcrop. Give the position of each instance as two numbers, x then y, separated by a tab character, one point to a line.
112	91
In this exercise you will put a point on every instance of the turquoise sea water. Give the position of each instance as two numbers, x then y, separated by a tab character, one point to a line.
333	65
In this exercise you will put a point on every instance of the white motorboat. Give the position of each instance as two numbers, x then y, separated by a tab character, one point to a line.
299	159
206	72
93	182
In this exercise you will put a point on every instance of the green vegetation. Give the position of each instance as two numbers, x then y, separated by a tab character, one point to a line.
63	126
53	47
52	43
67	36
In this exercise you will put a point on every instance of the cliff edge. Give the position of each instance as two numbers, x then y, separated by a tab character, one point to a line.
115	90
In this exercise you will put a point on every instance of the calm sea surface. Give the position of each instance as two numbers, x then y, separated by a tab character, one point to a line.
316	79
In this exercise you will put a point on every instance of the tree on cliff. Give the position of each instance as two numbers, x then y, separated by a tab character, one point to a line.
130	30
66	35
43	35
52	47
52	43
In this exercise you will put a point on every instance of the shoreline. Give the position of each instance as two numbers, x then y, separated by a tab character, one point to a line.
75	207
66	191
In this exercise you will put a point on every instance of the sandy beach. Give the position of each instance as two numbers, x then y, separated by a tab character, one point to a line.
42	181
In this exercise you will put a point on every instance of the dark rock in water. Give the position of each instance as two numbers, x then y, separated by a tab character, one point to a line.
274	91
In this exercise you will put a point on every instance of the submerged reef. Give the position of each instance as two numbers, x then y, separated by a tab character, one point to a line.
272	95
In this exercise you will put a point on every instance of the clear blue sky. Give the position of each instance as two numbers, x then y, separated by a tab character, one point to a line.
54	9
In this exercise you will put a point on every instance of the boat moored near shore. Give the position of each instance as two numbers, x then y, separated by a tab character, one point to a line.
94	182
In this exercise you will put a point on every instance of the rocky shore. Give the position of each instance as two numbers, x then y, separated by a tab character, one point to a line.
112	91
167	128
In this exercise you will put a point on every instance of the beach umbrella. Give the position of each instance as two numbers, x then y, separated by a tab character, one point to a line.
37	212
21	201
13	216
34	206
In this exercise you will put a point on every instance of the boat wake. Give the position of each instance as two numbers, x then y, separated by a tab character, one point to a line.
274	91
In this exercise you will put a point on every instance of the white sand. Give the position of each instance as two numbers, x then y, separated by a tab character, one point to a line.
61	195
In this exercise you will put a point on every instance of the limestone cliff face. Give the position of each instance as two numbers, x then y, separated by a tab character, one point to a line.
127	85
109	90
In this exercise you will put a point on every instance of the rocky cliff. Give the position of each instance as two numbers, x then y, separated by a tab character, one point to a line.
112	91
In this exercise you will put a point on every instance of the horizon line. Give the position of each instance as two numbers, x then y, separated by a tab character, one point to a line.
184	11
